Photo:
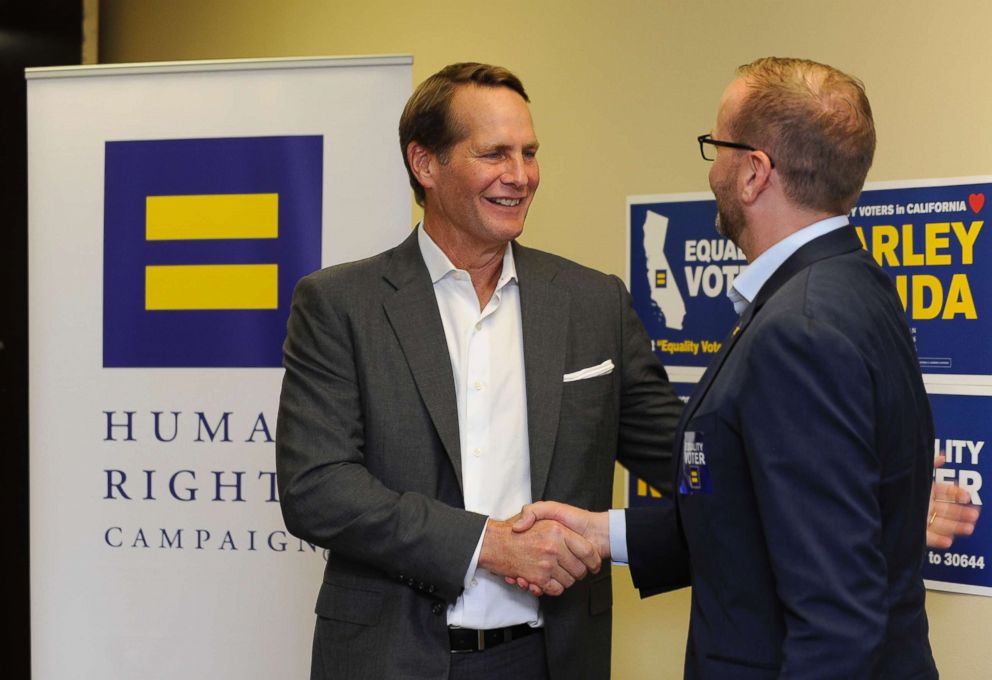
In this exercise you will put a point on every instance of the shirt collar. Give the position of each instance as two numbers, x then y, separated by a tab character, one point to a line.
749	282
439	265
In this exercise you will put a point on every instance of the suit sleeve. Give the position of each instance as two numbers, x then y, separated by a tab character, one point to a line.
327	494
649	407
649	415
657	552
808	432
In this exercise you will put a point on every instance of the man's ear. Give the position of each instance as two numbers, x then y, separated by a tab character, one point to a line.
423	164
756	171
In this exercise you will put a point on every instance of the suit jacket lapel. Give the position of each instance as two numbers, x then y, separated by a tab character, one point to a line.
544	317
413	313
714	367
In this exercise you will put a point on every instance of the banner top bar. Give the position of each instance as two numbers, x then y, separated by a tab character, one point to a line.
214	65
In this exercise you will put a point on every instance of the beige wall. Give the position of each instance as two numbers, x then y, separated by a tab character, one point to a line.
620	90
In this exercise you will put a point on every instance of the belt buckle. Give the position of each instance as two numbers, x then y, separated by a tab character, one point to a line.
481	634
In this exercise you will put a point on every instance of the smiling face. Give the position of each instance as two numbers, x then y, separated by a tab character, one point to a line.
479	191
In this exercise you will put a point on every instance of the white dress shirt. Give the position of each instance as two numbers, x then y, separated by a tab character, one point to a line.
746	287
487	360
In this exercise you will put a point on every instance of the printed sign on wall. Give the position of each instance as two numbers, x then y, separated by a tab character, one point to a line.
929	235
963	429
680	271
932	240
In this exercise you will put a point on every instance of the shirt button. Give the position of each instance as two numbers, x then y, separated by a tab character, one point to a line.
478	326
477	385
476	452
475	582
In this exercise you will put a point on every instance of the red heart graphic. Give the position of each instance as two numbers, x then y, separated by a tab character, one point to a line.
976	201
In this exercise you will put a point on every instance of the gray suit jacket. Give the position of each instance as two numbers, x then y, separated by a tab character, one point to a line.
369	464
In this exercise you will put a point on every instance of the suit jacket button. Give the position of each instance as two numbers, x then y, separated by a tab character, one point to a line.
437	609
431	588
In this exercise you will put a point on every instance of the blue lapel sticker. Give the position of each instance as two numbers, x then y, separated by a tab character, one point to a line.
694	474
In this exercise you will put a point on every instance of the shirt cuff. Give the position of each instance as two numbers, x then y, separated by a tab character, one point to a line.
618	536
474	564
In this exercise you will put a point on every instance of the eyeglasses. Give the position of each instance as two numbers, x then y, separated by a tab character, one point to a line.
709	155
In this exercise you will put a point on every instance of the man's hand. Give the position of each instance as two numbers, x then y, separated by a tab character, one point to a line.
593	527
549	557
950	513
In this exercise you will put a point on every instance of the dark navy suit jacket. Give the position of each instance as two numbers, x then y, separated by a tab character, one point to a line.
804	504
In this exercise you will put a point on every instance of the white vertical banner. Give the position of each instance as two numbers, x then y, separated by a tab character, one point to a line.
173	207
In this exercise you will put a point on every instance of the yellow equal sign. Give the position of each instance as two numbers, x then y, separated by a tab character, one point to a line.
211	216
660	278
212	286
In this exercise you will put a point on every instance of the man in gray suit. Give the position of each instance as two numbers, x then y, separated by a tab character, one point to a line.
406	460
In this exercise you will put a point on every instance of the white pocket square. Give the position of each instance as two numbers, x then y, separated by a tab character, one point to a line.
604	368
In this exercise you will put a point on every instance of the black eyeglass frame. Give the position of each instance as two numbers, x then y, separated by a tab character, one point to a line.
708	139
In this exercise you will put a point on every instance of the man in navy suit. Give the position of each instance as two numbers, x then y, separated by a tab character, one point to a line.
804	458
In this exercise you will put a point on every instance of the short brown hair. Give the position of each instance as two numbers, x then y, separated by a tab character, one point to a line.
426	118
815	122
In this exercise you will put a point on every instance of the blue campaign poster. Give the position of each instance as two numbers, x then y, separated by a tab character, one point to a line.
932	240
929	235
963	426
680	271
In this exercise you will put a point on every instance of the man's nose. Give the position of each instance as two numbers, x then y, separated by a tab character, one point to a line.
515	171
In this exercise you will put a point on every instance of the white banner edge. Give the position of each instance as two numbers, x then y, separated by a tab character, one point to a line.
213	65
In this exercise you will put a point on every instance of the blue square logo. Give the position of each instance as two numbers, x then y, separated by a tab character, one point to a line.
204	241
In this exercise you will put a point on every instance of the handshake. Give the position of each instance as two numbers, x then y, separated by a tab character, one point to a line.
547	547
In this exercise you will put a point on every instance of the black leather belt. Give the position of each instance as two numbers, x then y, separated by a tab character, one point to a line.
471	640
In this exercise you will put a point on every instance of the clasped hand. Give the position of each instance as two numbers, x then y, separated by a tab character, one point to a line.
547	547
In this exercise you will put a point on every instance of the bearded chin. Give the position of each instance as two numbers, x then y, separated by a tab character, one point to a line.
728	224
